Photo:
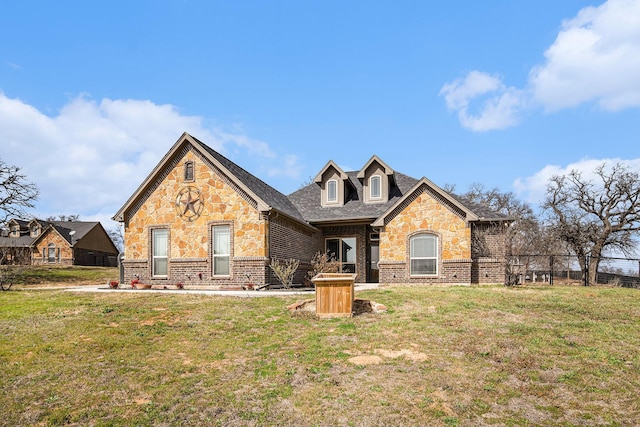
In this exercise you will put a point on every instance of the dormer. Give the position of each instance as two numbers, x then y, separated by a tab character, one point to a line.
377	178
14	229
34	228
333	184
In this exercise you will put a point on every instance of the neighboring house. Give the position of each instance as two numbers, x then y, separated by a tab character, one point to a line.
200	218
57	242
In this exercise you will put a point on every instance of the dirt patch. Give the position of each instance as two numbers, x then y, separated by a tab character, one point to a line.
360	306
365	359
381	354
414	356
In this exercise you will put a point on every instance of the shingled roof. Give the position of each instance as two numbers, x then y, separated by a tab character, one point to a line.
264	191
305	204
64	228
307	200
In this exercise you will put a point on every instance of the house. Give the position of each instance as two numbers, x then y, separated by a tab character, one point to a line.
199	218
57	242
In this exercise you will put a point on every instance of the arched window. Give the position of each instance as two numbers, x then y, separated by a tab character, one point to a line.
332	191
375	187
424	255
51	253
188	171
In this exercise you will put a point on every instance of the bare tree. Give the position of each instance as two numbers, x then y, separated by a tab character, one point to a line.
16	193
12	264
522	233
117	237
595	217
71	217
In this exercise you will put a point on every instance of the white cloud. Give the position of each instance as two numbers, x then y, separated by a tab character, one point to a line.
91	156
500	105
533	188
595	58
291	169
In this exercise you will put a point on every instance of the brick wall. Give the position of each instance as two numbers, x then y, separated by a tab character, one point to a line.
360	233
488	270
290	240
450	271
488	240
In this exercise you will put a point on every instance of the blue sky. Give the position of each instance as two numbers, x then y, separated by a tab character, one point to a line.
93	94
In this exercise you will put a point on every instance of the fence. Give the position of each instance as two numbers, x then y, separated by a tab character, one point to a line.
566	269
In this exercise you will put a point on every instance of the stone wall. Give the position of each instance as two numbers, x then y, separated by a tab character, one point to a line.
64	253
426	213
221	202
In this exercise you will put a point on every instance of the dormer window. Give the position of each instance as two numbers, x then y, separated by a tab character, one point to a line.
35	230
332	191
188	171
375	186
14	230
377	181
334	185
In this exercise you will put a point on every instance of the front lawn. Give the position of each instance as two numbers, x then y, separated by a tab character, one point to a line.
459	356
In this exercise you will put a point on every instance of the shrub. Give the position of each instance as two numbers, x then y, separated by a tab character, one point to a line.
323	263
285	270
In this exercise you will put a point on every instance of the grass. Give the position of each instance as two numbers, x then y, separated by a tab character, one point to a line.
71	275
460	356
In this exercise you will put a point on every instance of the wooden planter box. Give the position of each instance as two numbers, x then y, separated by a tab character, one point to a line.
334	294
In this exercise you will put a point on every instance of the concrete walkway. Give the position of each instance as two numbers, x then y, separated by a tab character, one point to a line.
234	293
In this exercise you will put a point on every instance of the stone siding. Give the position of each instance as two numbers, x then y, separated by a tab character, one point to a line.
189	240
64	253
426	214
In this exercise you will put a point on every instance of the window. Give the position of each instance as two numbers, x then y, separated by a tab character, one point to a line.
35	230
15	231
221	237
188	171
375	187
160	252
332	191
424	255
344	251
51	253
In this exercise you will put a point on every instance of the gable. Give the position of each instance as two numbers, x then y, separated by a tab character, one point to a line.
426	212
333	182
188	208
254	191
426	186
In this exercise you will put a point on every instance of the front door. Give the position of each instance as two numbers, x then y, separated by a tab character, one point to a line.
373	274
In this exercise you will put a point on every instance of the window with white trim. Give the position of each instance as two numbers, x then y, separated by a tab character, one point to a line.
332	191
160	252
424	255
221	237
375	187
